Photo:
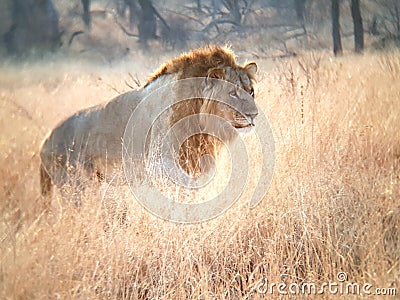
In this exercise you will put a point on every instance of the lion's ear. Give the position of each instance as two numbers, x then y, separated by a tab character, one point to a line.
217	73
251	69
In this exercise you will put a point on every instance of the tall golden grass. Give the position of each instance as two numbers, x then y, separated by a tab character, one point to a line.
334	204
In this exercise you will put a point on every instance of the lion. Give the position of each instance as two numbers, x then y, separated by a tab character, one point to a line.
93	138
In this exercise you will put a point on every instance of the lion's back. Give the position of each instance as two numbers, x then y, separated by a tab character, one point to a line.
95	130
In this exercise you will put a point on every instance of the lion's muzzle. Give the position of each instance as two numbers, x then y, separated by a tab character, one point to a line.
243	121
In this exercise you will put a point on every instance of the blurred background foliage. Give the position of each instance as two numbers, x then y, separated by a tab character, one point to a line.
113	28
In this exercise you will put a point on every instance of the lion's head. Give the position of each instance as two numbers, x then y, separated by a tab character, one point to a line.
227	91
230	95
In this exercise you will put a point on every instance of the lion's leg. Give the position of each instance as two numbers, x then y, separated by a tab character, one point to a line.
45	181
92	170
53	169
100	176
59	171
45	187
68	177
62	170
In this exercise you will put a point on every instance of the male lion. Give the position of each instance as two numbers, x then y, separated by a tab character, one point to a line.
93	137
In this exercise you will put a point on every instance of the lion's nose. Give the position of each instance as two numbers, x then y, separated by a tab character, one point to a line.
251	118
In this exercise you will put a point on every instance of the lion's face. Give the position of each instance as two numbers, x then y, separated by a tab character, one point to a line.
235	95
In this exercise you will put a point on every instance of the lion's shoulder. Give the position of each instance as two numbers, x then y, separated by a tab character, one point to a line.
196	63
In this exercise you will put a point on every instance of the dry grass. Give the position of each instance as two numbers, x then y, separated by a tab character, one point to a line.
334	204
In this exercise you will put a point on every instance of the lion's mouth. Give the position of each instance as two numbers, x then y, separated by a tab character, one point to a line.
241	126
243	122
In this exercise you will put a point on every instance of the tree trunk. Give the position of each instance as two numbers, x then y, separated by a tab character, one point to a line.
237	15
199	5
147	22
373	28
132	12
216	5
86	13
337	42
34	26
358	26
397	16
121	7
300	6
234	10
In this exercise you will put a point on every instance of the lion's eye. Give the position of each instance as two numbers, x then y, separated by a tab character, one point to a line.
234	94
252	92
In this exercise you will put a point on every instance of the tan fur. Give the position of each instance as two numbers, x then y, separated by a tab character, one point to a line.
201	63
204	144
197	62
92	137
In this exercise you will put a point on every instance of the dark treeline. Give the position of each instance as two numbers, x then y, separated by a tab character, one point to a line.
34	24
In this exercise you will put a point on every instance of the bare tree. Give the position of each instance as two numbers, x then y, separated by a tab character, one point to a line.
216	7
121	7
86	13
390	16
147	22
238	9
373	27
35	25
234	9
133	8
337	41
300	6
358	26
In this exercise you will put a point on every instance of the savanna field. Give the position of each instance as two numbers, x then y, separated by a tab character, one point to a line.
333	206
